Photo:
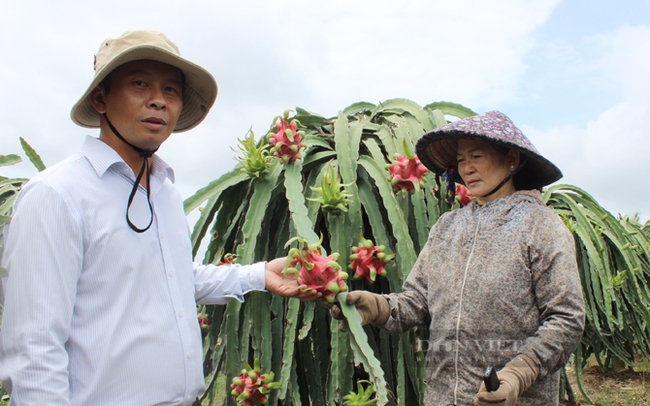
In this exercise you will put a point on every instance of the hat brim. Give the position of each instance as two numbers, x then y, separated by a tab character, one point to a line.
438	150
199	93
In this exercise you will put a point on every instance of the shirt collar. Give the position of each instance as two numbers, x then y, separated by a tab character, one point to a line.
506	203
102	157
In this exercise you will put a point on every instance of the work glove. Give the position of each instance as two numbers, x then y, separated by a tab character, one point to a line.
373	308
514	379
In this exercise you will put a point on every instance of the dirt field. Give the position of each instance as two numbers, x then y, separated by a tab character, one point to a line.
624	388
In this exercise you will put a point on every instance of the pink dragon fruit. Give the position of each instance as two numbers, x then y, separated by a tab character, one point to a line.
369	260
287	141
204	322
407	173
323	274
253	387
228	259
463	195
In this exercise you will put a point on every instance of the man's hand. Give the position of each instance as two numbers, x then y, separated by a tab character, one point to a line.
373	308
514	378
287	285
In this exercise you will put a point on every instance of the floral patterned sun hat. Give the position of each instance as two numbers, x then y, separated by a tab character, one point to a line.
437	149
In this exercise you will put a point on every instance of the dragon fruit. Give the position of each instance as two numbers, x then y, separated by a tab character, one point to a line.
463	195
369	260
323	274
253	387
406	172
228	259
287	141
204	322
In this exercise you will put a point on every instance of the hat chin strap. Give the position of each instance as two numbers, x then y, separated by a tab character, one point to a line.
503	182
145	168
448	176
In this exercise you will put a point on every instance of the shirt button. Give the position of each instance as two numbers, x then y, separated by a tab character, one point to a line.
162	235
180	313
189	355
251	280
171	274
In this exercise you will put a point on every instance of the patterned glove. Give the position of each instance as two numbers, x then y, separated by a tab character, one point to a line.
373	308
514	378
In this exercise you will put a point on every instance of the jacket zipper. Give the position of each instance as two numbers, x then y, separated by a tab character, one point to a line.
460	306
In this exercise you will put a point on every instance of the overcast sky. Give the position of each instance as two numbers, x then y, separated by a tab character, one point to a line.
573	75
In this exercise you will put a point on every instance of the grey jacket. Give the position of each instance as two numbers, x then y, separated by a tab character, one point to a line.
492	282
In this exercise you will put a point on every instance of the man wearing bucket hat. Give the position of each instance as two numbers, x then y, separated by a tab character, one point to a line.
497	281
100	300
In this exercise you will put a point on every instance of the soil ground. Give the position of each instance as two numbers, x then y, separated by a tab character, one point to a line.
609	388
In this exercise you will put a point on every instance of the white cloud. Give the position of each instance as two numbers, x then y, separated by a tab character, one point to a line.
266	57
608	155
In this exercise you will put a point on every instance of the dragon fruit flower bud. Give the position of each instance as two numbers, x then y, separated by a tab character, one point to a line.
255	160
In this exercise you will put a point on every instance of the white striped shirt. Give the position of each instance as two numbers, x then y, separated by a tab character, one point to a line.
95	313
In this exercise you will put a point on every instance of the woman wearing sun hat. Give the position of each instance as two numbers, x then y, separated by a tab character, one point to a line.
497	282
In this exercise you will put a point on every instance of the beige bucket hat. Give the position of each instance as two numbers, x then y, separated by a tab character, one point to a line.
200	89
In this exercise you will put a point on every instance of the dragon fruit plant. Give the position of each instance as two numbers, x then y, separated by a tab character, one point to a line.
331	194
406	171
255	160
369	260
287	140
323	274
253	387
254	217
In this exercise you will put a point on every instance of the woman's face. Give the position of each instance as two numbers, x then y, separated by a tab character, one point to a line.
483	167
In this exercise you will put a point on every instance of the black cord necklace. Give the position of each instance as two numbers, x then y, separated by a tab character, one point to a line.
145	168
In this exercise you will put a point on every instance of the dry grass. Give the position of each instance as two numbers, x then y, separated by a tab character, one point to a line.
609	388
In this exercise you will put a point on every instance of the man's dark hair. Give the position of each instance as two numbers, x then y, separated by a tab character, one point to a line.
106	83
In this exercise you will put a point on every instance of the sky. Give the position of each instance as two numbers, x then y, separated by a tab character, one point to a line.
574	76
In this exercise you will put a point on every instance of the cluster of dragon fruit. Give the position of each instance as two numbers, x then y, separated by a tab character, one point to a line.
253	387
324	274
